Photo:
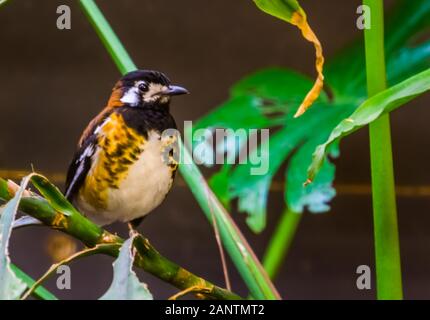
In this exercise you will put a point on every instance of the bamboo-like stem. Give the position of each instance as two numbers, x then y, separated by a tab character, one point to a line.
235	243
280	242
111	42
241	253
387	251
147	257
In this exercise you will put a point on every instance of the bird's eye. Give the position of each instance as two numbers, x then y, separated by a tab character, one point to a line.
143	87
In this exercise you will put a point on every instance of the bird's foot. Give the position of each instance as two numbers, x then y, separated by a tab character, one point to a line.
132	230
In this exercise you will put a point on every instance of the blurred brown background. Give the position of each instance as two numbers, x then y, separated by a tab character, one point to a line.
53	82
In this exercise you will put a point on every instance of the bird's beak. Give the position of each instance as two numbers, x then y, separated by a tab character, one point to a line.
175	91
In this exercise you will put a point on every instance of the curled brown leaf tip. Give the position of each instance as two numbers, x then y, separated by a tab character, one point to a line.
300	21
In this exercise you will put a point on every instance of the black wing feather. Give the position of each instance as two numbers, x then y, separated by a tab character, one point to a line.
79	167
82	160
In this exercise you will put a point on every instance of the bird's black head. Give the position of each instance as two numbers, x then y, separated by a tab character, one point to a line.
146	88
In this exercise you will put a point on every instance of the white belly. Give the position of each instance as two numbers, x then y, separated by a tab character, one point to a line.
148	181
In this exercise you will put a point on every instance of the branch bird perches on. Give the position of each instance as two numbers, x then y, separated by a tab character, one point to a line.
91	235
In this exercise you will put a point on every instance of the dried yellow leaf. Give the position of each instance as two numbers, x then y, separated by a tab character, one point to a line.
298	19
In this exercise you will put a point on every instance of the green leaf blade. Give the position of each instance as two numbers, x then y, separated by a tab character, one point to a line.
369	111
53	195
11	287
125	284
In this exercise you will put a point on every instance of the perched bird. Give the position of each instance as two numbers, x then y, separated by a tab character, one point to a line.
124	166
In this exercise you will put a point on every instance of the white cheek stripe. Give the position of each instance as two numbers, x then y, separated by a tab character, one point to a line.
131	97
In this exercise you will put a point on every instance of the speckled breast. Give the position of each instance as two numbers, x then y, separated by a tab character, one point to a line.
130	174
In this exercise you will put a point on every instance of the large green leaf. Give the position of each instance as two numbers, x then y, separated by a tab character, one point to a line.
11	287
252	190
268	88
317	196
269	98
295	139
125	284
261	100
384	102
258	101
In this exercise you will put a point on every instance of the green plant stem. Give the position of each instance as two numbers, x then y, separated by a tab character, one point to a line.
280	242
40	292
236	245
147	258
111	42
241	253
387	251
